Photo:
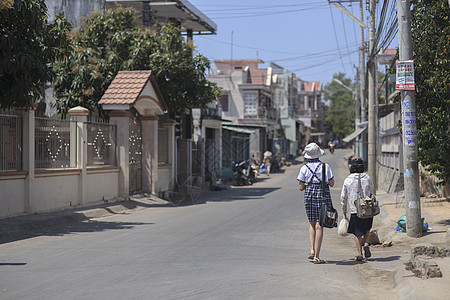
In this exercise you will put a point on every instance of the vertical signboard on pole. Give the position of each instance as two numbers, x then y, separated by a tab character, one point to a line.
405	75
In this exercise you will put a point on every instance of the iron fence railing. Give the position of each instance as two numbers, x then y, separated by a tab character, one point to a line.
197	158
101	140
10	142
53	143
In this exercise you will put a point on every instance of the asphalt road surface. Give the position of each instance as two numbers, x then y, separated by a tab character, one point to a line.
250	242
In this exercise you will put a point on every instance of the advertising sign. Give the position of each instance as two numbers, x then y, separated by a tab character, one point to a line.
405	75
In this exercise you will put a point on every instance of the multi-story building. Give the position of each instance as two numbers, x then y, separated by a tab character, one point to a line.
247	102
285	91
310	111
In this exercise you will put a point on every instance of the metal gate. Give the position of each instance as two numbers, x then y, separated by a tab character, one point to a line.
135	152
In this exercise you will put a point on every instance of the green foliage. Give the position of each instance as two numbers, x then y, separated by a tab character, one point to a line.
340	116
107	44
431	45
28	47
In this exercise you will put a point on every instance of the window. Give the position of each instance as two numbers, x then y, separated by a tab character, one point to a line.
250	104
224	102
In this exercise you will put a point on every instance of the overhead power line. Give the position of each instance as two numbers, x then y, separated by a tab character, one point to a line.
337	42
261	14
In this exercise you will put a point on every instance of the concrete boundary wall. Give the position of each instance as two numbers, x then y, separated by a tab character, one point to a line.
389	180
36	190
53	190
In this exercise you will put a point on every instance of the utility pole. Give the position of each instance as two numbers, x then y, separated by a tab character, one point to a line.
361	117
409	136
372	95
362	85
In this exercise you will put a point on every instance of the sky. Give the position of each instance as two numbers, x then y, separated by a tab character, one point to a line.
311	38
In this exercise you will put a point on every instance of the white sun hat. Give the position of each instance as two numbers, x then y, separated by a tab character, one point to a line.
312	150
267	154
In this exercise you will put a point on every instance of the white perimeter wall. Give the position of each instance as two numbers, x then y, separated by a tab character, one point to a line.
52	190
12	194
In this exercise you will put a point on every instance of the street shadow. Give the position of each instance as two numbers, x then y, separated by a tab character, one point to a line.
12	264
444	222
280	171
238	194
68	228
352	262
385	259
433	232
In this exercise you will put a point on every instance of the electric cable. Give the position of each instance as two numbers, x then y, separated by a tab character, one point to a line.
346	41
337	42
272	13
255	7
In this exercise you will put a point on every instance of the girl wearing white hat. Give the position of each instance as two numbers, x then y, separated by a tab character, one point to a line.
310	180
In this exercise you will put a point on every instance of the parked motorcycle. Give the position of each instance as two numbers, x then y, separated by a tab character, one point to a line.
243	173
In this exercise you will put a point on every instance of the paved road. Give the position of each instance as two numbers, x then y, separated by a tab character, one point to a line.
247	243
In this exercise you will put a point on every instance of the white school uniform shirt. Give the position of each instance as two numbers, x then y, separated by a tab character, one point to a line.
350	190
305	175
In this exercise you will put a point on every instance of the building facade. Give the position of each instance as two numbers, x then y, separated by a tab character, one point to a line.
247	102
310	111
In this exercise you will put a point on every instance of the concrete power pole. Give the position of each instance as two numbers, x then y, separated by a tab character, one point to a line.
362	85
372	95
409	136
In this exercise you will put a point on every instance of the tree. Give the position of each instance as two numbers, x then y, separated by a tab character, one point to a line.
28	47
340	116
431	39
107	44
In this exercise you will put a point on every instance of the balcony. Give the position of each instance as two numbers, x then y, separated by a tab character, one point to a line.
310	113
263	116
212	113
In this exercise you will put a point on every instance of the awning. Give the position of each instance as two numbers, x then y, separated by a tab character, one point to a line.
242	130
355	133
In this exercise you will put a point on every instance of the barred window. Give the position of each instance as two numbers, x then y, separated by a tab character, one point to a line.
224	102
251	104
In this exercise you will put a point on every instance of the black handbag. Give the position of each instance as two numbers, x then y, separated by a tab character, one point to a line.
328	216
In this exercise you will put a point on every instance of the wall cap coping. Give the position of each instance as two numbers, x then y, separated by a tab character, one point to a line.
79	111
102	168
67	171
11	175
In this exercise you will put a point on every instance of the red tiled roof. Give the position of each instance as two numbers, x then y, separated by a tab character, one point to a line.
312	84
126	87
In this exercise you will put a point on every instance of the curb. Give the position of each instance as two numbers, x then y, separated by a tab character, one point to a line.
403	289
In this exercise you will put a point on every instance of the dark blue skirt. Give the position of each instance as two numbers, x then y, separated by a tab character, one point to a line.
358	226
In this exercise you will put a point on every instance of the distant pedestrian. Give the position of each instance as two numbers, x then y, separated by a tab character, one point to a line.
310	180
359	227
267	161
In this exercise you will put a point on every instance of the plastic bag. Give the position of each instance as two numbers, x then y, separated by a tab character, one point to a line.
401	227
343	227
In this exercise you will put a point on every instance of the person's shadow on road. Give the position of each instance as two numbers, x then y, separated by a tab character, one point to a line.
352	262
